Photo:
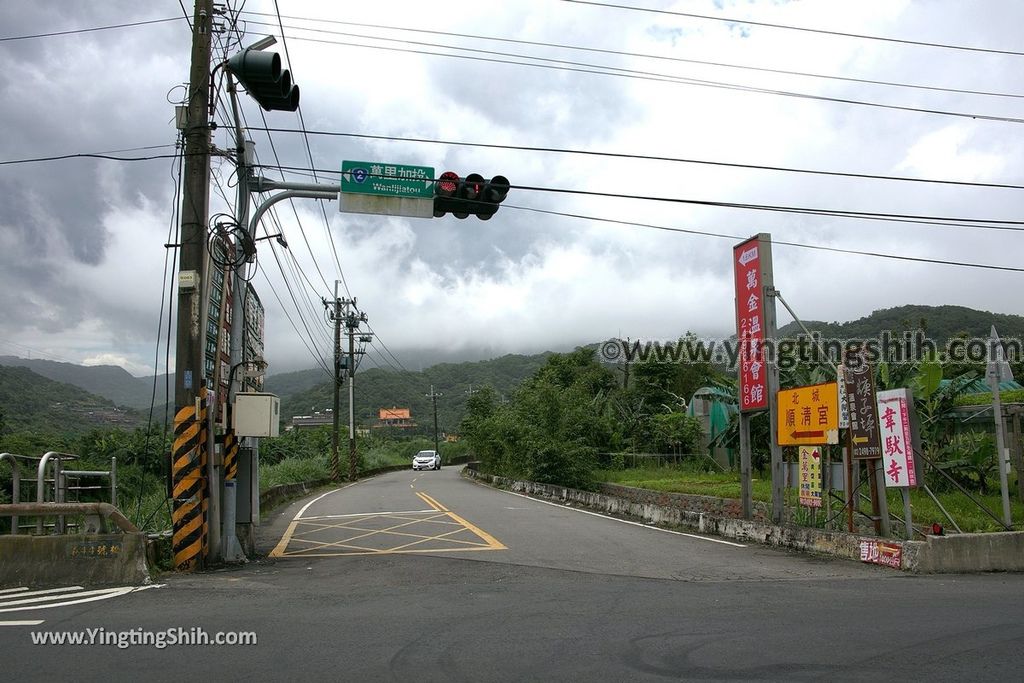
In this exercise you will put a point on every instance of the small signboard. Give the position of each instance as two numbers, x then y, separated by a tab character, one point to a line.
809	416
844	398
898	464
859	387
810	476
388	180
886	554
752	277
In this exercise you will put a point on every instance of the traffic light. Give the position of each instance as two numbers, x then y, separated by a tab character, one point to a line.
474	195
261	74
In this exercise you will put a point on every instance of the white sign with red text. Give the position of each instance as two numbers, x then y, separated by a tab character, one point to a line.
897	443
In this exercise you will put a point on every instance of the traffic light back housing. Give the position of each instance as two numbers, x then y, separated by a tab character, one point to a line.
473	195
261	74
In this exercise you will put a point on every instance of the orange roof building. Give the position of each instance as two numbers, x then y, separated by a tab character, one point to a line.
395	417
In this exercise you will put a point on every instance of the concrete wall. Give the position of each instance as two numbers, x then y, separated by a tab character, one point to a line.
87	560
705	514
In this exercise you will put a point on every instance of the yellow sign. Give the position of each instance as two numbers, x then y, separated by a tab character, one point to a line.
810	476
809	416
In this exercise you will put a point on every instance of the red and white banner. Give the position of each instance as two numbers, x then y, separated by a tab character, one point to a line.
750	324
896	440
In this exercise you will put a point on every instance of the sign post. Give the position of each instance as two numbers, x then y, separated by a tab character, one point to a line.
862	441
895	411
758	375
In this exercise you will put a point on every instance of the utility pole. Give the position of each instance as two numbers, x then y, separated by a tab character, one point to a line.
344	312
433	397
352	320
335	314
188	484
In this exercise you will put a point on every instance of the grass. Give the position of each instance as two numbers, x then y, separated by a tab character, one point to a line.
679	480
727	485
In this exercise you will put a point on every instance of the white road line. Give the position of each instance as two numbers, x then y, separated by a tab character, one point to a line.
45	598
368	514
66	589
27	622
13	590
625	521
306	506
77	598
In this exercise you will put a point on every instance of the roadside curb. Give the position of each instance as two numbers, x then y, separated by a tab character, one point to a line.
961	553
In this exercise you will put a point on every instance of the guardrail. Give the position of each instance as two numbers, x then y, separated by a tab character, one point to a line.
105	510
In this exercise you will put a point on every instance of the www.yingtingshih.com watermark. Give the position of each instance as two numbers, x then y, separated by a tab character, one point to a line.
905	347
137	637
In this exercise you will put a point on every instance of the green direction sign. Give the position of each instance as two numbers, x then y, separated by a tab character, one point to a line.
389	180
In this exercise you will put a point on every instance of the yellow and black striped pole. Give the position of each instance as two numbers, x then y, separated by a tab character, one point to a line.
230	455
188	514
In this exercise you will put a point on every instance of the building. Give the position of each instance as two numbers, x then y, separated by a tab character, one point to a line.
217	348
400	418
317	419
252	340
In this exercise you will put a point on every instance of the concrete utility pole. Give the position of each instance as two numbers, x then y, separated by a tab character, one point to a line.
433	397
336	315
188	482
352	320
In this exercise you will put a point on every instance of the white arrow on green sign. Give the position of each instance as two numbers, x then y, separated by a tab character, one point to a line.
387	180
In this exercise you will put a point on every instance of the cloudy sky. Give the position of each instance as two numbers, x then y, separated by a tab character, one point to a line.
82	259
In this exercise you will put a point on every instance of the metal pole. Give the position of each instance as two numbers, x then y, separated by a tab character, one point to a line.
746	484
336	315
1018	450
907	513
1002	452
352	322
113	481
881	501
849	482
771	336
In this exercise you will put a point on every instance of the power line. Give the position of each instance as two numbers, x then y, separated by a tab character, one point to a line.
649	157
579	67
788	27
92	155
618	53
309	152
937	221
90	29
798	245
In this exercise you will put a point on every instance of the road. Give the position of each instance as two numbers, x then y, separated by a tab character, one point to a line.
429	576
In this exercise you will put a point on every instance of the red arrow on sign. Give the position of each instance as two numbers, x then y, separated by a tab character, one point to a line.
807	435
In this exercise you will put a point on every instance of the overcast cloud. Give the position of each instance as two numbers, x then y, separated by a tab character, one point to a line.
81	240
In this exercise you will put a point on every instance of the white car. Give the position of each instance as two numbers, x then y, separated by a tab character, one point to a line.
426	460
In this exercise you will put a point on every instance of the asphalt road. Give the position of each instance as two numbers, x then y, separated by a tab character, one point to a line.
428	576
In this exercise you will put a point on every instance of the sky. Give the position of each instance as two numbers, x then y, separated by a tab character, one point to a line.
569	96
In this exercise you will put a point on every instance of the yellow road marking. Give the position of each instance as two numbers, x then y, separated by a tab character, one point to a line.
279	549
359	522
491	540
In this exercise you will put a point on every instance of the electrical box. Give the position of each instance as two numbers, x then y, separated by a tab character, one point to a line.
257	414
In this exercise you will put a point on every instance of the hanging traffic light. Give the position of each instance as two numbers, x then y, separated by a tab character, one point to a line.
474	195
261	74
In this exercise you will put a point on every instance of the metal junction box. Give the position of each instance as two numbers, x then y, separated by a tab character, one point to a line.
257	414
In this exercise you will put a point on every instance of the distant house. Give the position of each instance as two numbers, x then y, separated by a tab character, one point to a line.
395	417
317	419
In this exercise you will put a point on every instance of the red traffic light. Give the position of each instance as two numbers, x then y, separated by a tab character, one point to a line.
447	184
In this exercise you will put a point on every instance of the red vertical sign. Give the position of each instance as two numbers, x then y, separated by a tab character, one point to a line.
753	373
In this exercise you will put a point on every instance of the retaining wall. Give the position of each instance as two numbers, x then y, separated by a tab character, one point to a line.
722	517
86	560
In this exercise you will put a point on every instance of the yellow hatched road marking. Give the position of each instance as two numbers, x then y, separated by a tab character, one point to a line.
358	523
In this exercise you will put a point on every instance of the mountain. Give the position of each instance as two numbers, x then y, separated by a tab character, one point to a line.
939	323
378	388
109	381
31	402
